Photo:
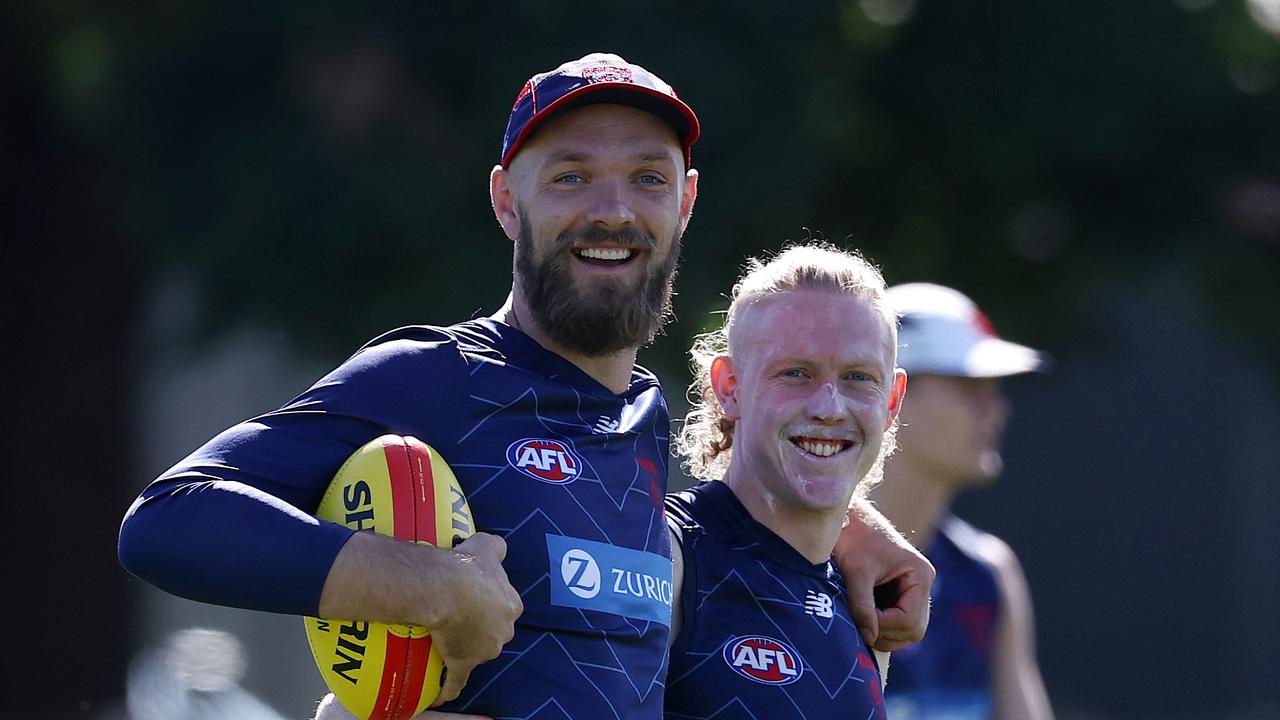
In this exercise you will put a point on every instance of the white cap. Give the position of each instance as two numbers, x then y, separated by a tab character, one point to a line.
943	333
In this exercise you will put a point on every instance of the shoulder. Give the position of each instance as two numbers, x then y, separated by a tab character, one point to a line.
416	361
977	544
642	377
682	516
987	549
420	347
693	511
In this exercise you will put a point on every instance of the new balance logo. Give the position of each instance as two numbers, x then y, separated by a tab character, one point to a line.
816	603
605	425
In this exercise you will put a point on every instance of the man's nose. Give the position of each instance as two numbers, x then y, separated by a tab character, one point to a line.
610	208
827	405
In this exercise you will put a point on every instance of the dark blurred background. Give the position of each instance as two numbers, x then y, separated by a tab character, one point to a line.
208	206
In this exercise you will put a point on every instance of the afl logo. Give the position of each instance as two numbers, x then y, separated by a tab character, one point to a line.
763	659
546	460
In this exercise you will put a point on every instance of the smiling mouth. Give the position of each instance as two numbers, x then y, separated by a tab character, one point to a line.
608	257
821	447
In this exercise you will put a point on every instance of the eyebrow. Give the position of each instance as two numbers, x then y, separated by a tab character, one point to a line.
568	156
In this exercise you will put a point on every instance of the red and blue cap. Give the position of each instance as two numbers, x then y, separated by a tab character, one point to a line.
942	332
595	78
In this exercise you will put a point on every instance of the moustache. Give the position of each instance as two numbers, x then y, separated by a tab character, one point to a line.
593	235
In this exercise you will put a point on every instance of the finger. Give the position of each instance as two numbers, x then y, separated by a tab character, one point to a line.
486	544
895	631
862	608
455	678
907	618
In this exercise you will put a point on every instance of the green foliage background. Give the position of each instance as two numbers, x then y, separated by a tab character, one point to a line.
321	169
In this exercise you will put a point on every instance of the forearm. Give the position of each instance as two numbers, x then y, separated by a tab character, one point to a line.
379	578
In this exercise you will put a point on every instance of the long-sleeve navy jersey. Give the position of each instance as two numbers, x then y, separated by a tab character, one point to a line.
948	674
764	633
569	473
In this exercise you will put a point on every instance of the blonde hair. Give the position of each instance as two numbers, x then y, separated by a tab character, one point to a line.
705	441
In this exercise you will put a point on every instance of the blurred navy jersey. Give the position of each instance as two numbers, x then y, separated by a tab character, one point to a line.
948	674
764	633
570	474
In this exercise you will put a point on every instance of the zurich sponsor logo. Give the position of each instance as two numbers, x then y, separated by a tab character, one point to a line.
581	573
610	579
763	659
550	461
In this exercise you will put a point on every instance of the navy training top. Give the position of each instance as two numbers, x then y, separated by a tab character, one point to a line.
764	632
949	674
568	473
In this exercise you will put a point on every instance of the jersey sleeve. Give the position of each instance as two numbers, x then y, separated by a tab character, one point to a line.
233	523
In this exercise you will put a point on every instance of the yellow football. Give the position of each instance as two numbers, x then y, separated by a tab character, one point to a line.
397	486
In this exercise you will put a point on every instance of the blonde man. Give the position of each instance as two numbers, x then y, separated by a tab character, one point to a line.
796	399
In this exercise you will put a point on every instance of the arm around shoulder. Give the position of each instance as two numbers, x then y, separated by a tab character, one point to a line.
886	579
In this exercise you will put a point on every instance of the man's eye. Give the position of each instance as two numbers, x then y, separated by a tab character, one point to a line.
570	178
858	376
651	179
793	373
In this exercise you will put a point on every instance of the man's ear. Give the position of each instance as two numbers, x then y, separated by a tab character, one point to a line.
687	197
504	202
896	394
724	382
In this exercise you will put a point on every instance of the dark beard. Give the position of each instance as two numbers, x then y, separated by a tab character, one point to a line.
615	316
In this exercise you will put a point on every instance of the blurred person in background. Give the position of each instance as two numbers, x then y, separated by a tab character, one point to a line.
195	676
978	659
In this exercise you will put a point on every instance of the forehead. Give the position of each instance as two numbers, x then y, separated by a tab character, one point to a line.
604	129
813	325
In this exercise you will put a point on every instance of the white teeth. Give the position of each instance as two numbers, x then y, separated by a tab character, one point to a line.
605	253
821	448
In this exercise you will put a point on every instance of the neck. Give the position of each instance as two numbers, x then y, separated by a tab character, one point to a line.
612	371
912	501
811	532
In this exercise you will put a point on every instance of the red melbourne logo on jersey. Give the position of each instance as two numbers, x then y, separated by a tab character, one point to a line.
550	461
763	659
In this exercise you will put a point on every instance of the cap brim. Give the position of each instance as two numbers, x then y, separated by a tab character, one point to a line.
665	106
994	357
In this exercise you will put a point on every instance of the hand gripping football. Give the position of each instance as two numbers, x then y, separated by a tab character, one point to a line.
395	486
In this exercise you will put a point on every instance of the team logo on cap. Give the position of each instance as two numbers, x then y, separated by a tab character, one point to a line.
606	73
763	659
550	461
